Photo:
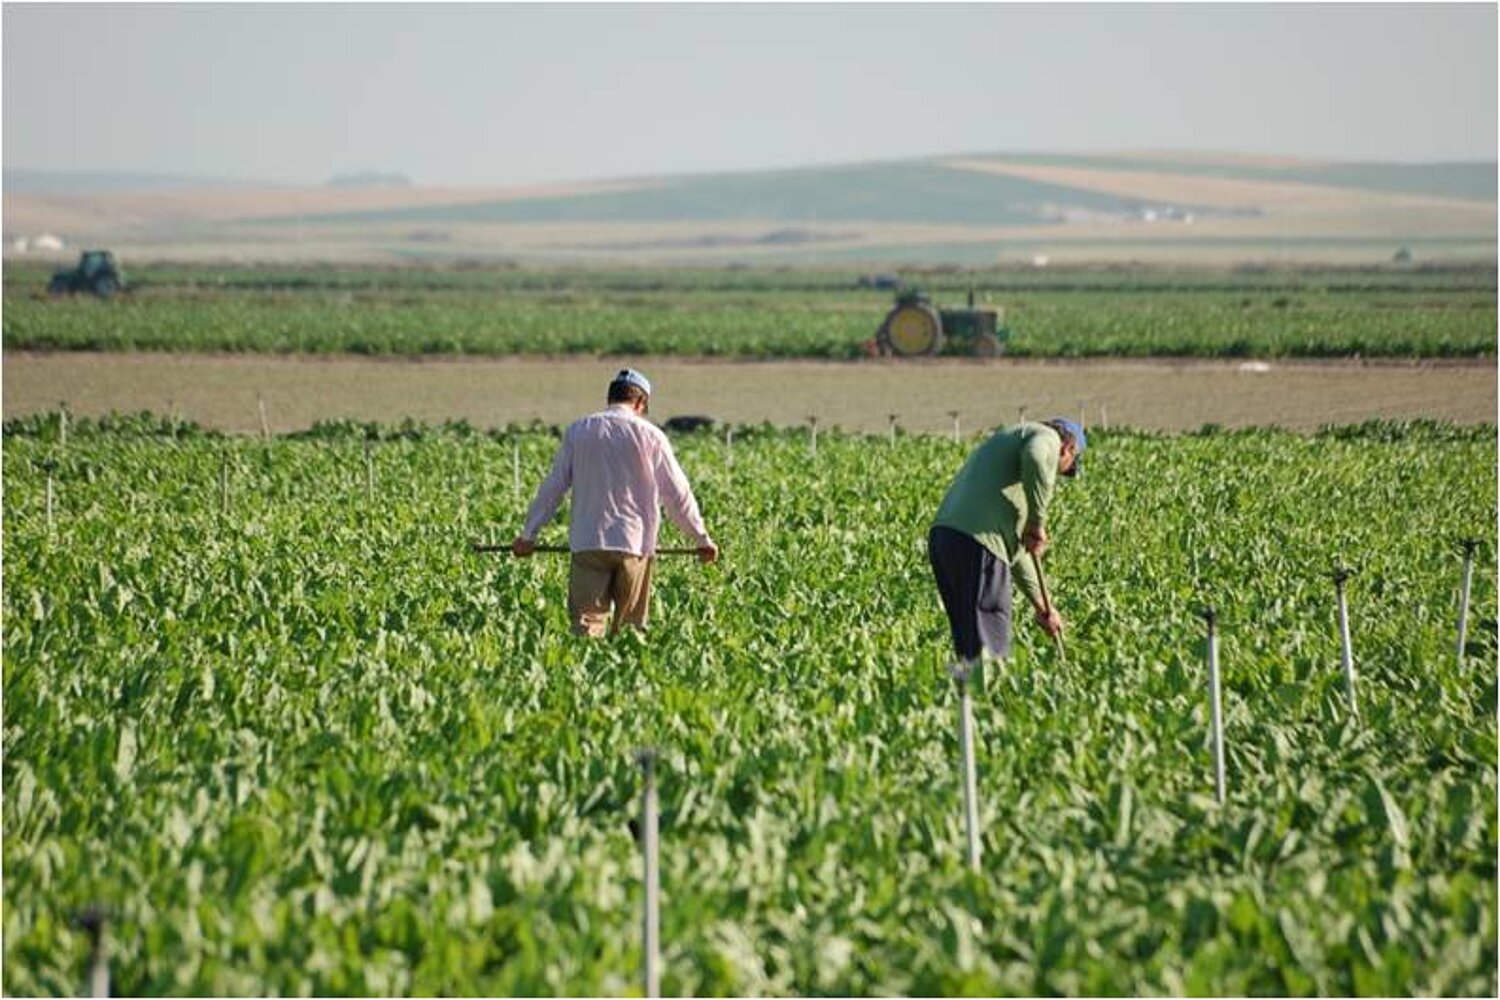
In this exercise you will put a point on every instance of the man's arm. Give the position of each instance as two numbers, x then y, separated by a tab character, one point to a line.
1039	458
1023	568
548	495
679	503
1024	571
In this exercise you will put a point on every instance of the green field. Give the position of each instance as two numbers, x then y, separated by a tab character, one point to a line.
760	313
296	739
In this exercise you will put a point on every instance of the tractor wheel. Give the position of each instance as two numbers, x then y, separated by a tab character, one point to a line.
106	287
912	329
987	345
58	285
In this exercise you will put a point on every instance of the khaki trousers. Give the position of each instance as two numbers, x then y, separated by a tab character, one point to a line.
599	579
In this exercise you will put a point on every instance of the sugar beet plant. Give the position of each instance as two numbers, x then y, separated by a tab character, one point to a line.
293	737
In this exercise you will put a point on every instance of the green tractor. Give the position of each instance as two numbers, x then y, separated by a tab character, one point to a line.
96	273
916	327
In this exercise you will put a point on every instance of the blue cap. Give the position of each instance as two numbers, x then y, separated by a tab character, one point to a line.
629	376
1080	439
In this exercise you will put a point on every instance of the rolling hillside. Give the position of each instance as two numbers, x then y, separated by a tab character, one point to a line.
976	209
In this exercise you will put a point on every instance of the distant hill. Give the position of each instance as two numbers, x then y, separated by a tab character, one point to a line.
369	179
913	192
979	208
23	181
932	191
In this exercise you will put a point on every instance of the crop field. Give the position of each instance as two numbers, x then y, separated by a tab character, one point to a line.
759	313
263	706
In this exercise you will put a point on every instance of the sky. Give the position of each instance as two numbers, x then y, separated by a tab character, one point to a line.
502	94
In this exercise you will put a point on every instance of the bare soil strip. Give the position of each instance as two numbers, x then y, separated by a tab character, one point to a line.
221	391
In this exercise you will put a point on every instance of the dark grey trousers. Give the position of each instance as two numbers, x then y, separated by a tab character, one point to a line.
975	588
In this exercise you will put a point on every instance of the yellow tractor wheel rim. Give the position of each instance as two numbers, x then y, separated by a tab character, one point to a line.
912	331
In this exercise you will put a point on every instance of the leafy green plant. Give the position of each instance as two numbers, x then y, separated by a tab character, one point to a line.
759	313
315	745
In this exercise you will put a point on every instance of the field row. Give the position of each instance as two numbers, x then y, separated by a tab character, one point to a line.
262	703
388	312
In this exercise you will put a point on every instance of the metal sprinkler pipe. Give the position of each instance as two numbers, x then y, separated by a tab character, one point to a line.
1340	576
224	484
961	673
1216	714
50	466
96	979
370	472
651	875
1469	545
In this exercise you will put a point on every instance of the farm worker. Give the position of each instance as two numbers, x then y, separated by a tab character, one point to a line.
993	522
621	469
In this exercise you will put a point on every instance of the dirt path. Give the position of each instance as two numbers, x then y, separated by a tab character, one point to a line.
221	390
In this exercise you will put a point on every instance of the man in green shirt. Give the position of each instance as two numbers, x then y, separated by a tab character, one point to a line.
992	522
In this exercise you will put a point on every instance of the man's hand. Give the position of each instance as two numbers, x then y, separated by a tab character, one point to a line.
708	553
1034	539
1050	621
522	547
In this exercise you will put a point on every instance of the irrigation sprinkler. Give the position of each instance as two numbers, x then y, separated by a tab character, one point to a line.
265	424
50	466
960	673
369	472
651	925
1104	415
515	469
1021	413
954	415
224	484
1340	576
62	425
96	979
892	417
1216	713
1469	545
812	438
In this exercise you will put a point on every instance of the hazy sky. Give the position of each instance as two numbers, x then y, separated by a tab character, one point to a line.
479	94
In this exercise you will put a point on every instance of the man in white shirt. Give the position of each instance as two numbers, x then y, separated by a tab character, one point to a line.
621	469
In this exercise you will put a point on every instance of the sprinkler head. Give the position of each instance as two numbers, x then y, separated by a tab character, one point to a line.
91	919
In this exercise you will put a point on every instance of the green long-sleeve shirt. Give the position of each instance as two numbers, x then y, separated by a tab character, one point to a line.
1002	489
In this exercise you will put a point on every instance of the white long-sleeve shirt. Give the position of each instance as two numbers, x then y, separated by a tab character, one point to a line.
622	471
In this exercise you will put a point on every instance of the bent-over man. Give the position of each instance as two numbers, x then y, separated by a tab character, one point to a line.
993	521
622	470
